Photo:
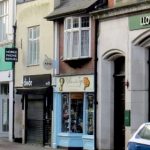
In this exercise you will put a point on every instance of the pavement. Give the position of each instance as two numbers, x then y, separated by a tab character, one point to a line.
7	145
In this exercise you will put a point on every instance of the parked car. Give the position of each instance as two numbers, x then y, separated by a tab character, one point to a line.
141	138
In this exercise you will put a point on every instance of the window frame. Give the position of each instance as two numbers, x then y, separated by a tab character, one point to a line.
4	20
33	40
71	31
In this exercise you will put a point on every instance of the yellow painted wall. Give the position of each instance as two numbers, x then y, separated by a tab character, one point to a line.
31	14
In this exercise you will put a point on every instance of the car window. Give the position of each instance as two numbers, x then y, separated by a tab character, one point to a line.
145	132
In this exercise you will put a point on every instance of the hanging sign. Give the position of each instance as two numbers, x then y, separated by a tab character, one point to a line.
11	54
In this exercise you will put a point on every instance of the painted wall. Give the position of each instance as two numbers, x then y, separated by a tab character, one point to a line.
30	14
4	65
115	35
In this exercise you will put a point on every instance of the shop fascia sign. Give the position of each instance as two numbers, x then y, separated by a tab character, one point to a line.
75	83
139	22
37	80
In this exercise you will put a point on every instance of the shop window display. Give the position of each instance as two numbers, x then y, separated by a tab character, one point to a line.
90	114
72	113
72	120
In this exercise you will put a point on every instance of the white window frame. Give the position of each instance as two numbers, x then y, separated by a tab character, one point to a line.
3	20
33	53
72	30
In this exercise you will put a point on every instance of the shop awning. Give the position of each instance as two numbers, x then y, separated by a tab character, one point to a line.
34	90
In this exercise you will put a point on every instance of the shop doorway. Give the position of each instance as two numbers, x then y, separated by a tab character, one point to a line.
119	103
4	110
38	120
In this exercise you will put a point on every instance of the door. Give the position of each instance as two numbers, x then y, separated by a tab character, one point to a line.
34	122
119	104
4	110
38	120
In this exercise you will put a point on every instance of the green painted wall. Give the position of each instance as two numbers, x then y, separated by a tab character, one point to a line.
4	65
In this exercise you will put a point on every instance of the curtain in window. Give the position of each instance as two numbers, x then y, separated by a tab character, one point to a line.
75	45
33	46
68	42
84	43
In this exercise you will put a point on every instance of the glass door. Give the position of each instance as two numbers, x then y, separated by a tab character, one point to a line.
4	111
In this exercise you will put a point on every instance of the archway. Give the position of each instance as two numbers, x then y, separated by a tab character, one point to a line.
117	59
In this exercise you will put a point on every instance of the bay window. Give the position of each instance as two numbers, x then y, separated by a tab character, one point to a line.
76	38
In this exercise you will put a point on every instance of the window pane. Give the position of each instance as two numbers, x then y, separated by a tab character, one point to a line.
65	113
85	22
33	45
72	115
84	43
75	22
68	38
5	115
68	23
3	20
76	115
90	114
75	45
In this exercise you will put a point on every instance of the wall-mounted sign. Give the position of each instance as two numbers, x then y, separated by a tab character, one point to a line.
47	63
37	80
127	117
139	21
75	83
11	54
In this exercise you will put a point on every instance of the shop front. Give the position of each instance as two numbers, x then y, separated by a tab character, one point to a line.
37	100
74	112
6	97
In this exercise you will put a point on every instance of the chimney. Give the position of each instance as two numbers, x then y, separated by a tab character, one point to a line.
57	3
111	3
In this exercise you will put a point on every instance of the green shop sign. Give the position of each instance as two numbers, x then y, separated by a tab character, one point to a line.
139	22
127	119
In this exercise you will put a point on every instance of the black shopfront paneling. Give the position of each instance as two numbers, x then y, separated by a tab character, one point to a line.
37	100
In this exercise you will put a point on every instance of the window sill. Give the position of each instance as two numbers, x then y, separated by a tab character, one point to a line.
77	62
34	65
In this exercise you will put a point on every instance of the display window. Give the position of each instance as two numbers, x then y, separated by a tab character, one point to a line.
90	114
72	113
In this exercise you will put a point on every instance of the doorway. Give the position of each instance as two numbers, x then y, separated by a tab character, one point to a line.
38	119
119	103
4	109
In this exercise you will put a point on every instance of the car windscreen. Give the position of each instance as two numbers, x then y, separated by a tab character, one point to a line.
145	132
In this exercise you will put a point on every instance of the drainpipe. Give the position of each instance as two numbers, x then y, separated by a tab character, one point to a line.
95	85
13	67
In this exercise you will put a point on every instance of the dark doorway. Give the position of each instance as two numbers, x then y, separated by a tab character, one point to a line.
119	104
35	111
38	119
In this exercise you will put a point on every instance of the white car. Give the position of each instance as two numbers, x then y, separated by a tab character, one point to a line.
141	138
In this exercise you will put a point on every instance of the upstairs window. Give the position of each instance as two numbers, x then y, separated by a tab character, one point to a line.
76	38
33	46
3	20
